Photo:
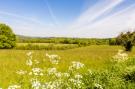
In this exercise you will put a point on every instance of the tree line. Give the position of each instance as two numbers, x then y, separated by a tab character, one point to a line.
8	39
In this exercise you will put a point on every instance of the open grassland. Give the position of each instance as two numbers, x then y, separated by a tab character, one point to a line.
45	46
94	58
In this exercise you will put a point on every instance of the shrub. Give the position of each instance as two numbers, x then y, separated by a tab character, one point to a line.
127	40
129	74
7	37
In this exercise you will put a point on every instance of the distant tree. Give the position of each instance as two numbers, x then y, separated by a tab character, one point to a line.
127	40
7	37
112	41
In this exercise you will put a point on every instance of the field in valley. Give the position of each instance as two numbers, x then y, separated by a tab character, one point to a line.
93	57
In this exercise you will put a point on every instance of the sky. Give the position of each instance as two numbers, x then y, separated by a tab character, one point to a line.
68	18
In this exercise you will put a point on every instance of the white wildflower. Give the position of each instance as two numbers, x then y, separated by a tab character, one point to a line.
78	76
36	84
21	72
51	71
98	86
29	53
30	73
14	87
58	74
54	59
52	85
29	62
36	61
77	82
66	74
76	65
120	56
37	71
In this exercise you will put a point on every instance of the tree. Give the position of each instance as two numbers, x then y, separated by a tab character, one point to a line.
127	40
7	37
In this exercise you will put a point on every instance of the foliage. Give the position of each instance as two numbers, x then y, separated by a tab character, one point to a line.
127	40
49	46
7	37
79	41
36	74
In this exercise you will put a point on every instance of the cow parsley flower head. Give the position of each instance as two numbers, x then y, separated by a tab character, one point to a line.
21	72
78	76
66	74
36	61
29	62
29	54
76	65
52	85
54	59
14	87
37	71
51	71
120	56
98	86
36	84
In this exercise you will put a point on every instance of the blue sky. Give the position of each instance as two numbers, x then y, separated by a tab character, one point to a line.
68	18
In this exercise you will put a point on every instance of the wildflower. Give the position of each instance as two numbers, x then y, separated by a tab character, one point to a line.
29	62
54	59
77	76
76	65
76	82
37	71
21	72
59	74
66	74
52	85
14	87
36	61
51	71
98	86
120	56
29	53
36	84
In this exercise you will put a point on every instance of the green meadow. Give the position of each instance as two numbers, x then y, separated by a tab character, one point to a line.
94	57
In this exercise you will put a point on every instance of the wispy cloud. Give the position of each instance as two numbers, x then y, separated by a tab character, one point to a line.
110	26
97	10
55	21
21	17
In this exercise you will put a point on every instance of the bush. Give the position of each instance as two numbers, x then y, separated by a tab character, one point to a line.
127	40
129	74
7	37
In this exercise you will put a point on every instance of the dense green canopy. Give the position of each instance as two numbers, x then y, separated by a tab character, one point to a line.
7	37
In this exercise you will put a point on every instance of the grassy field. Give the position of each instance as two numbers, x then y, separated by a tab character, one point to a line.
94	57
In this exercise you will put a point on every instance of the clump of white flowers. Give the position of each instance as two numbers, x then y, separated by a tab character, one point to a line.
29	61
76	65
78	76
57	79
52	85
37	71
98	86
120	56
14	87
21	72
54	59
51	71
35	84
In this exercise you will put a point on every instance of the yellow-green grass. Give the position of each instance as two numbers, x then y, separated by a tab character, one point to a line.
44	44
94	57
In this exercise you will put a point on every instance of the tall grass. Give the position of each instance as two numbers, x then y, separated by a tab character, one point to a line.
99	70
50	46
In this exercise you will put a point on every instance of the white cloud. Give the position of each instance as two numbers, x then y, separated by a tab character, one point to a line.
109	27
